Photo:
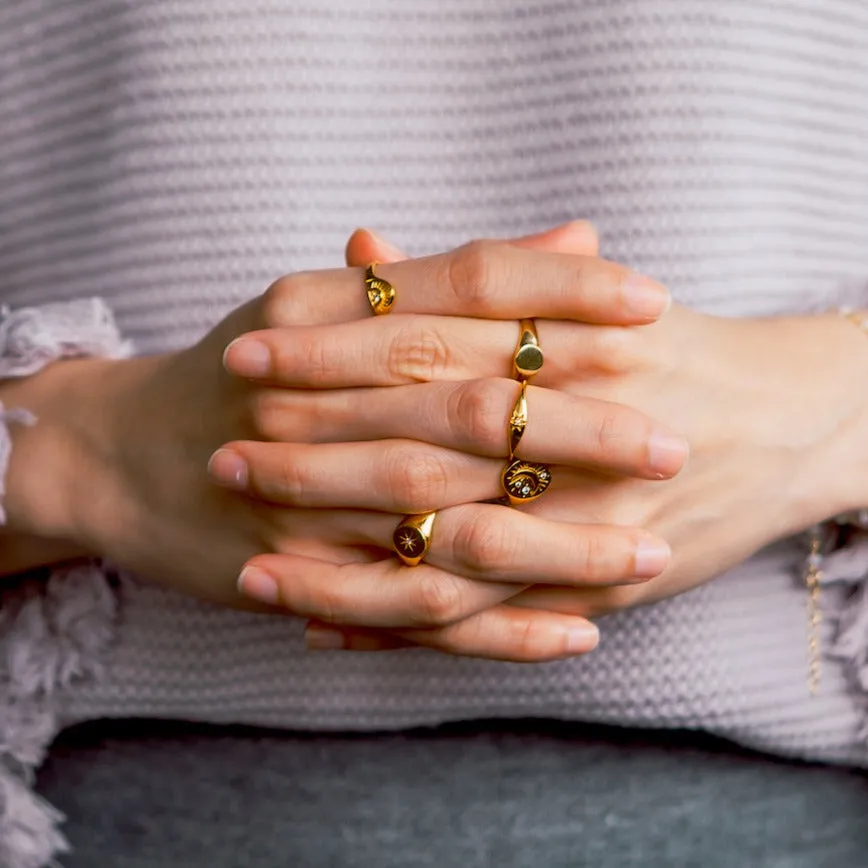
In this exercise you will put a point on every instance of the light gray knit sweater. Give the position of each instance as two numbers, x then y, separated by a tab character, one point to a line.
173	157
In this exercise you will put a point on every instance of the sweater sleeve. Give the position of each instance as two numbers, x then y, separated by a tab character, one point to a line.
55	626
847	568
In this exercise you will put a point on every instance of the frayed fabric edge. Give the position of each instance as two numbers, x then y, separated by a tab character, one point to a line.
849	567
51	635
54	632
33	337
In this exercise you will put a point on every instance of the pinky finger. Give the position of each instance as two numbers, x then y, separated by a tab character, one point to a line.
504	632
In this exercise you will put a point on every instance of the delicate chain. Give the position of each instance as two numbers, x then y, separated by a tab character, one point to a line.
813	567
859	318
813	577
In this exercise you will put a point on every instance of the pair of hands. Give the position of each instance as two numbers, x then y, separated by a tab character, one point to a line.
351	421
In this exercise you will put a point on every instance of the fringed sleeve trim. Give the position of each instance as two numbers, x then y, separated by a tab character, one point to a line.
51	632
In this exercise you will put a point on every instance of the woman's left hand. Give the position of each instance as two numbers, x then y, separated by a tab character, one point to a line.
762	403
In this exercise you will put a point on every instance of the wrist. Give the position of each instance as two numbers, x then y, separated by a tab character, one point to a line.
834	478
849	455
53	471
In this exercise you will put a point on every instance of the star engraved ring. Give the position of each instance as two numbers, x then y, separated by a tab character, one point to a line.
522	481
528	357
412	537
517	420
381	293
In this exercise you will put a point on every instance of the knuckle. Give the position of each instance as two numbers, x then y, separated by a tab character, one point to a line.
438	599
315	361
608	430
417	354
281	414
477	415
329	602
534	640
266	411
282	300
616	350
418	479
469	275
482	544
592	556
292	478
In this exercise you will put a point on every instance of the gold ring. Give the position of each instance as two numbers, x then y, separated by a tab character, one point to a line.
522	481
528	357
525	481
412	537
517	421
381	293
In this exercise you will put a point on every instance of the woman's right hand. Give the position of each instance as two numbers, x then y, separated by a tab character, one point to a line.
140	433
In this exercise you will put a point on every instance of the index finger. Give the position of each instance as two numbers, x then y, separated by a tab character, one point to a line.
484	279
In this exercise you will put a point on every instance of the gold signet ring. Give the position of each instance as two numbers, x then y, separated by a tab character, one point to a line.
528	357
525	481
412	537
381	293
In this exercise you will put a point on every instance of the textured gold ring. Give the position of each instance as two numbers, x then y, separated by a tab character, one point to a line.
528	357
412	537
517	421
381	293
522	481
525	481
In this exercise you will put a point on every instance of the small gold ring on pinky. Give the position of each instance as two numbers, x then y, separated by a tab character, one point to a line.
381	293
528	357
412	538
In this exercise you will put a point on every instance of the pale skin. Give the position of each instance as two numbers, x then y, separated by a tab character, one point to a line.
774	410
117	466
128	483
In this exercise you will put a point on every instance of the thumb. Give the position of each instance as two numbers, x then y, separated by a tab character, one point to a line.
578	237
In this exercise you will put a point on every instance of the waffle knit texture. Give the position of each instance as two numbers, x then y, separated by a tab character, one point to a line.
174	157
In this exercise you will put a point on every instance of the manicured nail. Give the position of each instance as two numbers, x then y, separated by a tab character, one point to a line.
666	452
582	638
645	297
652	557
247	357
229	469
318	638
387	247
258	585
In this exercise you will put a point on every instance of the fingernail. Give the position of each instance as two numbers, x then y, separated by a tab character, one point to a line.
247	357
666	452
645	297
318	638
258	585
387	246
652	557
229	469
582	638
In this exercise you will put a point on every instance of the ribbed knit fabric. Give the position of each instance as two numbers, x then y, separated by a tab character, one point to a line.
174	157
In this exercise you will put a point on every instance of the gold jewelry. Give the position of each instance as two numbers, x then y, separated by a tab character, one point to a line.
813	577
522	481
412	537
517	421
381	293
525	481
528	357
859	318
814	566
